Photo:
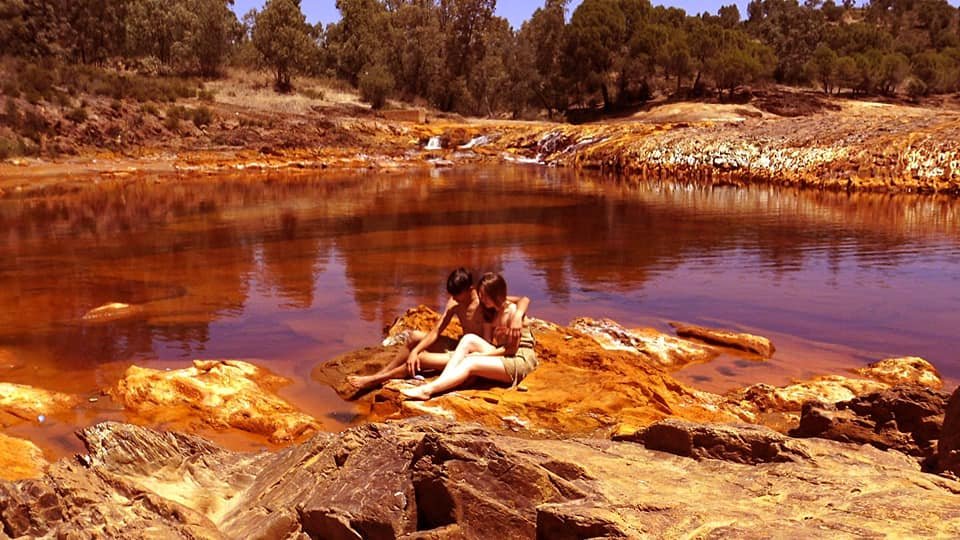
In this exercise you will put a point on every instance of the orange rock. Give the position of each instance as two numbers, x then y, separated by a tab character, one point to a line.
25	403
219	393
758	345
667	351
907	369
579	387
20	459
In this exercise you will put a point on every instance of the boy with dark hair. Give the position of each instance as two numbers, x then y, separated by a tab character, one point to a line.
432	350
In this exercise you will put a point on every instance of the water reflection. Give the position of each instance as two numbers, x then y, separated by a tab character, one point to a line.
292	269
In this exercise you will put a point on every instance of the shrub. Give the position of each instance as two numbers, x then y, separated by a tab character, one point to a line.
11	147
149	108
205	95
34	126
37	81
375	84
11	89
11	114
201	116
78	115
172	123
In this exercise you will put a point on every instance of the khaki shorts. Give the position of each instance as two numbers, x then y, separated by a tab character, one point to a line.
521	364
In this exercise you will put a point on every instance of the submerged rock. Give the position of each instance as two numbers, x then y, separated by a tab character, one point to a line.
112	312
418	479
758	345
219	393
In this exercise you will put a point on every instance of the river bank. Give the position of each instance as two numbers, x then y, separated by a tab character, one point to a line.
836	144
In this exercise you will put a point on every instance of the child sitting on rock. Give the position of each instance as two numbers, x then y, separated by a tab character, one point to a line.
432	350
496	354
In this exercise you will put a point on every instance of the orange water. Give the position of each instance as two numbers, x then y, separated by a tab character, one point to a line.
289	270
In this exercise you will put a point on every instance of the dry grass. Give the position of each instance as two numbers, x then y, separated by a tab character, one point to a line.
254	91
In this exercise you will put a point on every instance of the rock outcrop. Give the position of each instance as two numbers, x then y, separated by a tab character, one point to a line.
948	447
429	479
615	389
907	369
905	417
219	393
668	351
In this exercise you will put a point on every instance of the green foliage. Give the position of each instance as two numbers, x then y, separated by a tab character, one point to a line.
280	35
201	116
12	147
823	67
376	83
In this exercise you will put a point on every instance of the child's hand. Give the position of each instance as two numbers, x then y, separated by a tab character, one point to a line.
413	363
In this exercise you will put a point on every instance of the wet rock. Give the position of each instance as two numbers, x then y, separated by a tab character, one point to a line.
668	351
735	443
758	345
908	369
219	393
948	447
20	459
21	403
420	479
906	418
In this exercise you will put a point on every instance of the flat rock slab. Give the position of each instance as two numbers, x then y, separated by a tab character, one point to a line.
22	403
218	393
750	343
431	479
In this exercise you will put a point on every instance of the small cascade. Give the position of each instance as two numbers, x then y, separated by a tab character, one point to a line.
434	144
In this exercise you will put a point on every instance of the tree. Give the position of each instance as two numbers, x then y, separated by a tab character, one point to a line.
847	75
280	35
357	39
729	16
823	67
594	36
541	37
894	68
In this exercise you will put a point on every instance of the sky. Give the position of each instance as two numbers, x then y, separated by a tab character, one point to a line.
515	11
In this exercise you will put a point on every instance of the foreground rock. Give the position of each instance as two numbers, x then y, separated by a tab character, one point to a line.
227	393
438	480
906	418
948	447
20	459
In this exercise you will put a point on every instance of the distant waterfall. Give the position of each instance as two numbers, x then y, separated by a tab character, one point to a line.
434	144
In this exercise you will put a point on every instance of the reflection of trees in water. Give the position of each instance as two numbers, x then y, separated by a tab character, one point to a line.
191	249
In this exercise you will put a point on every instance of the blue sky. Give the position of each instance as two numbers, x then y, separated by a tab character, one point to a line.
516	11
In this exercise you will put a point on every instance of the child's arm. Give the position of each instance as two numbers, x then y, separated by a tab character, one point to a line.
413	359
516	322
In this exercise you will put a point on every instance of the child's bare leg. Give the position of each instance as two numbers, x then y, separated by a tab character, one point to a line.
488	367
396	368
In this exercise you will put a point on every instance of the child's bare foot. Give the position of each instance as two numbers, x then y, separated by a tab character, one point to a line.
420	393
358	382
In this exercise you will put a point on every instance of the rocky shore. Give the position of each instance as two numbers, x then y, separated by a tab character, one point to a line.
600	441
839	145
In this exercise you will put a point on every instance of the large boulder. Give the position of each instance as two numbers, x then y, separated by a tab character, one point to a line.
904	370
430	479
905	418
217	393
